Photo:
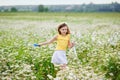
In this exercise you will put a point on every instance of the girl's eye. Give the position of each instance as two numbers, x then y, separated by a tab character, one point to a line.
64	29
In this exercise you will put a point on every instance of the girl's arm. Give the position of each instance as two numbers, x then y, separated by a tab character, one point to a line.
49	41
70	44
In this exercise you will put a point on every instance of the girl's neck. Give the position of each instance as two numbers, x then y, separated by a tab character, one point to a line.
63	34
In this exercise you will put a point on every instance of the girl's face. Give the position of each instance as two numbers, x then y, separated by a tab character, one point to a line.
63	30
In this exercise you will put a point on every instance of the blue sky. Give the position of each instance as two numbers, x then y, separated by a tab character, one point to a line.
52	2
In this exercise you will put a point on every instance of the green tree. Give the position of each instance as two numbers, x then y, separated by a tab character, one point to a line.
13	9
6	10
41	8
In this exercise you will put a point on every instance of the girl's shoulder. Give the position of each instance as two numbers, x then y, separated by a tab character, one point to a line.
57	35
68	35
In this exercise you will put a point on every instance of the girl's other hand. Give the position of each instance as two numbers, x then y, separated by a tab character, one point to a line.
36	45
71	44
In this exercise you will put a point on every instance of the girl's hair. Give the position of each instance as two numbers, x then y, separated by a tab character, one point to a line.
63	25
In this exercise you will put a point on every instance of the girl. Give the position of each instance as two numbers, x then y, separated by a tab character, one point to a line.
63	42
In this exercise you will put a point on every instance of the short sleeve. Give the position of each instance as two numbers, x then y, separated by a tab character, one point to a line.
69	36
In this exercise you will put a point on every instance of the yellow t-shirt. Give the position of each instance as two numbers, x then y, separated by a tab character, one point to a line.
62	42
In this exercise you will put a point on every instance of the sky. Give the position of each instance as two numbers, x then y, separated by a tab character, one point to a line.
53	2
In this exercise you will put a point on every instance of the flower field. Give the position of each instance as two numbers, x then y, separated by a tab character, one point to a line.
97	38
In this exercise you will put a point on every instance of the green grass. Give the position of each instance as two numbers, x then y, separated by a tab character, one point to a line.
72	17
96	36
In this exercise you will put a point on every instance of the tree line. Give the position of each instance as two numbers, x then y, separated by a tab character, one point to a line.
113	7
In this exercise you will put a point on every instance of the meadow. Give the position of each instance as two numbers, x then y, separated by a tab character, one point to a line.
97	38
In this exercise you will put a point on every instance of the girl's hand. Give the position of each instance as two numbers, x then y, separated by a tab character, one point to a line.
36	45
71	44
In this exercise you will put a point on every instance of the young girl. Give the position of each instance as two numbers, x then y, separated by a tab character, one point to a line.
63	42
